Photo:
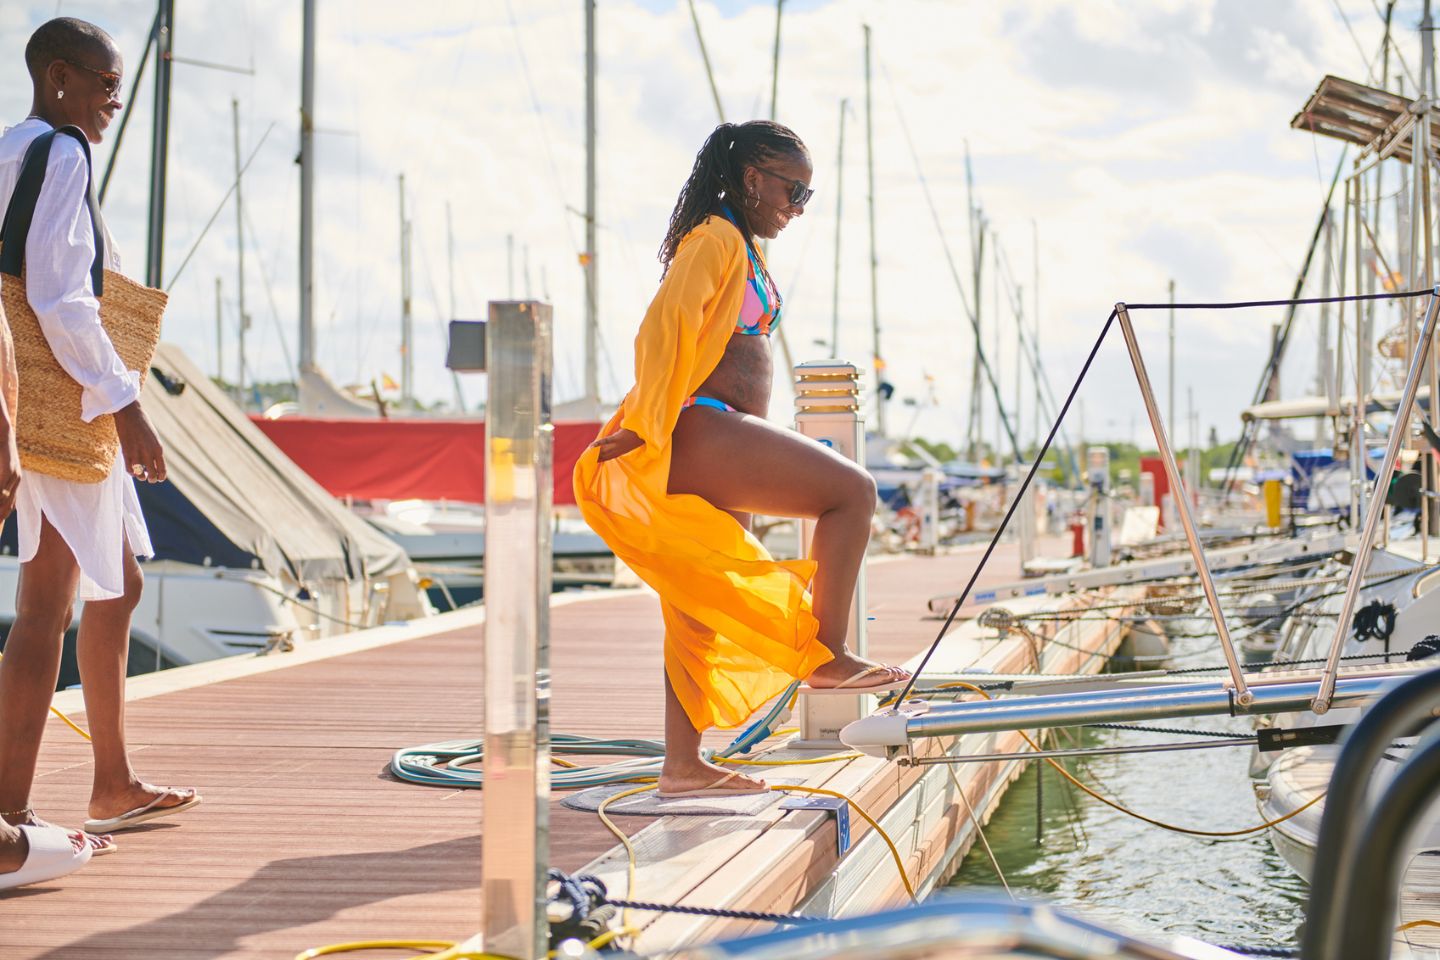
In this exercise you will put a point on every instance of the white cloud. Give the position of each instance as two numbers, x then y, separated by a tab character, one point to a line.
1146	141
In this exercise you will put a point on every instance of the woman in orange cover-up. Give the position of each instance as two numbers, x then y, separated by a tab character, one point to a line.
677	472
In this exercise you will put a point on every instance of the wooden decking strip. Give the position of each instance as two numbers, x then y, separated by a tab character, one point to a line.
304	839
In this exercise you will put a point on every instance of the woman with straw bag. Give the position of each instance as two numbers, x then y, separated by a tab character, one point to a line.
82	334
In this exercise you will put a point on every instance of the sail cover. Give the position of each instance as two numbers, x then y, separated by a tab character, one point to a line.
233	499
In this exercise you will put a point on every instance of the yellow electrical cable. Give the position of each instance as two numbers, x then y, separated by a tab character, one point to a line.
899	864
1140	816
426	946
1416	923
625	841
68	722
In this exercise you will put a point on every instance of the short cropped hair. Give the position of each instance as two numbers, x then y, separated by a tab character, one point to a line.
64	38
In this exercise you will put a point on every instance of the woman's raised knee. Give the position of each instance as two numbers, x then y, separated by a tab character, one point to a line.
852	489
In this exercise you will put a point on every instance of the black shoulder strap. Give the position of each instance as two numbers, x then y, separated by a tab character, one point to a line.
16	226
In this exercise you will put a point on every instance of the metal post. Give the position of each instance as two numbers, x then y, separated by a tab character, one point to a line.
1182	506
1026	532
874	254
244	319
1376	507
518	483
592	278
929	506
827	409
1098	477
160	143
307	191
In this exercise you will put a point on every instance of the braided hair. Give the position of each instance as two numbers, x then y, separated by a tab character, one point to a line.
718	176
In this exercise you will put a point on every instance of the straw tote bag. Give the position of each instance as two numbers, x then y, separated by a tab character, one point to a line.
52	438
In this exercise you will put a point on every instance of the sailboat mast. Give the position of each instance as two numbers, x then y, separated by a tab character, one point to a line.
407	346
592	287
775	60
244	319
839	194
219	335
307	190
454	311
874	258
705	58
1035	312
977	260
1170	408
160	143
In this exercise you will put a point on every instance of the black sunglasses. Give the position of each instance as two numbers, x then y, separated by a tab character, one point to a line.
110	81
800	192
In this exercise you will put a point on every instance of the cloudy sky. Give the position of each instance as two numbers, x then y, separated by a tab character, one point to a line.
1140	141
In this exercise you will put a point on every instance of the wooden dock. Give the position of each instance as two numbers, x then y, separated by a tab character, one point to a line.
304	839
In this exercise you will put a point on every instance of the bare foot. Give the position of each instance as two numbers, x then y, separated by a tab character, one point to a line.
99	844
696	774
847	666
135	794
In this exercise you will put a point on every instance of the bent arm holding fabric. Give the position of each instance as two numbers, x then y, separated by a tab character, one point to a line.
668	342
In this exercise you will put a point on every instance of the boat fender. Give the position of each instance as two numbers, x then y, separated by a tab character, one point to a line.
1424	649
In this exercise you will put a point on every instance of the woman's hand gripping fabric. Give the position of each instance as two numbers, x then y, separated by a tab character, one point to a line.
617	444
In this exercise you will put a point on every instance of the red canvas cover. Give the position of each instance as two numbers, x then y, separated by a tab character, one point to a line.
402	459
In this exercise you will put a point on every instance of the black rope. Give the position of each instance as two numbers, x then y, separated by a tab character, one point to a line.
788	918
1297	663
1024	486
1297	301
1178	731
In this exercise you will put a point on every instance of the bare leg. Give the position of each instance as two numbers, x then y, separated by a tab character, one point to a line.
743	463
28	674
102	649
684	769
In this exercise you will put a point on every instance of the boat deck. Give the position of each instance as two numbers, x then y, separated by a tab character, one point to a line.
304	839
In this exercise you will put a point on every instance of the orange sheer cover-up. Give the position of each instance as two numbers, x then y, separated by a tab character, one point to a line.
738	623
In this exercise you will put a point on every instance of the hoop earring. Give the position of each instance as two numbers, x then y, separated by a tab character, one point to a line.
752	201
59	94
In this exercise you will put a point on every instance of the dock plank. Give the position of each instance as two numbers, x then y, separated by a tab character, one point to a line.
304	839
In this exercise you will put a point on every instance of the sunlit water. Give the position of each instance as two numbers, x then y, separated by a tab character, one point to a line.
1112	868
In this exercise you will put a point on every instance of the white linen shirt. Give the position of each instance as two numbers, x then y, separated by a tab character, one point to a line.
94	519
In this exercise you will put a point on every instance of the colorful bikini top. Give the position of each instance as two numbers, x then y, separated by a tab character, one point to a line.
760	310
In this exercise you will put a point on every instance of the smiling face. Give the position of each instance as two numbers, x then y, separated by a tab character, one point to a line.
772	190
91	82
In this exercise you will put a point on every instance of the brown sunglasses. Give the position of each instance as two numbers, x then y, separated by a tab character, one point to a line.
110	81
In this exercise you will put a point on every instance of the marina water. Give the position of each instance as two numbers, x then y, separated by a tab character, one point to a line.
1102	864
